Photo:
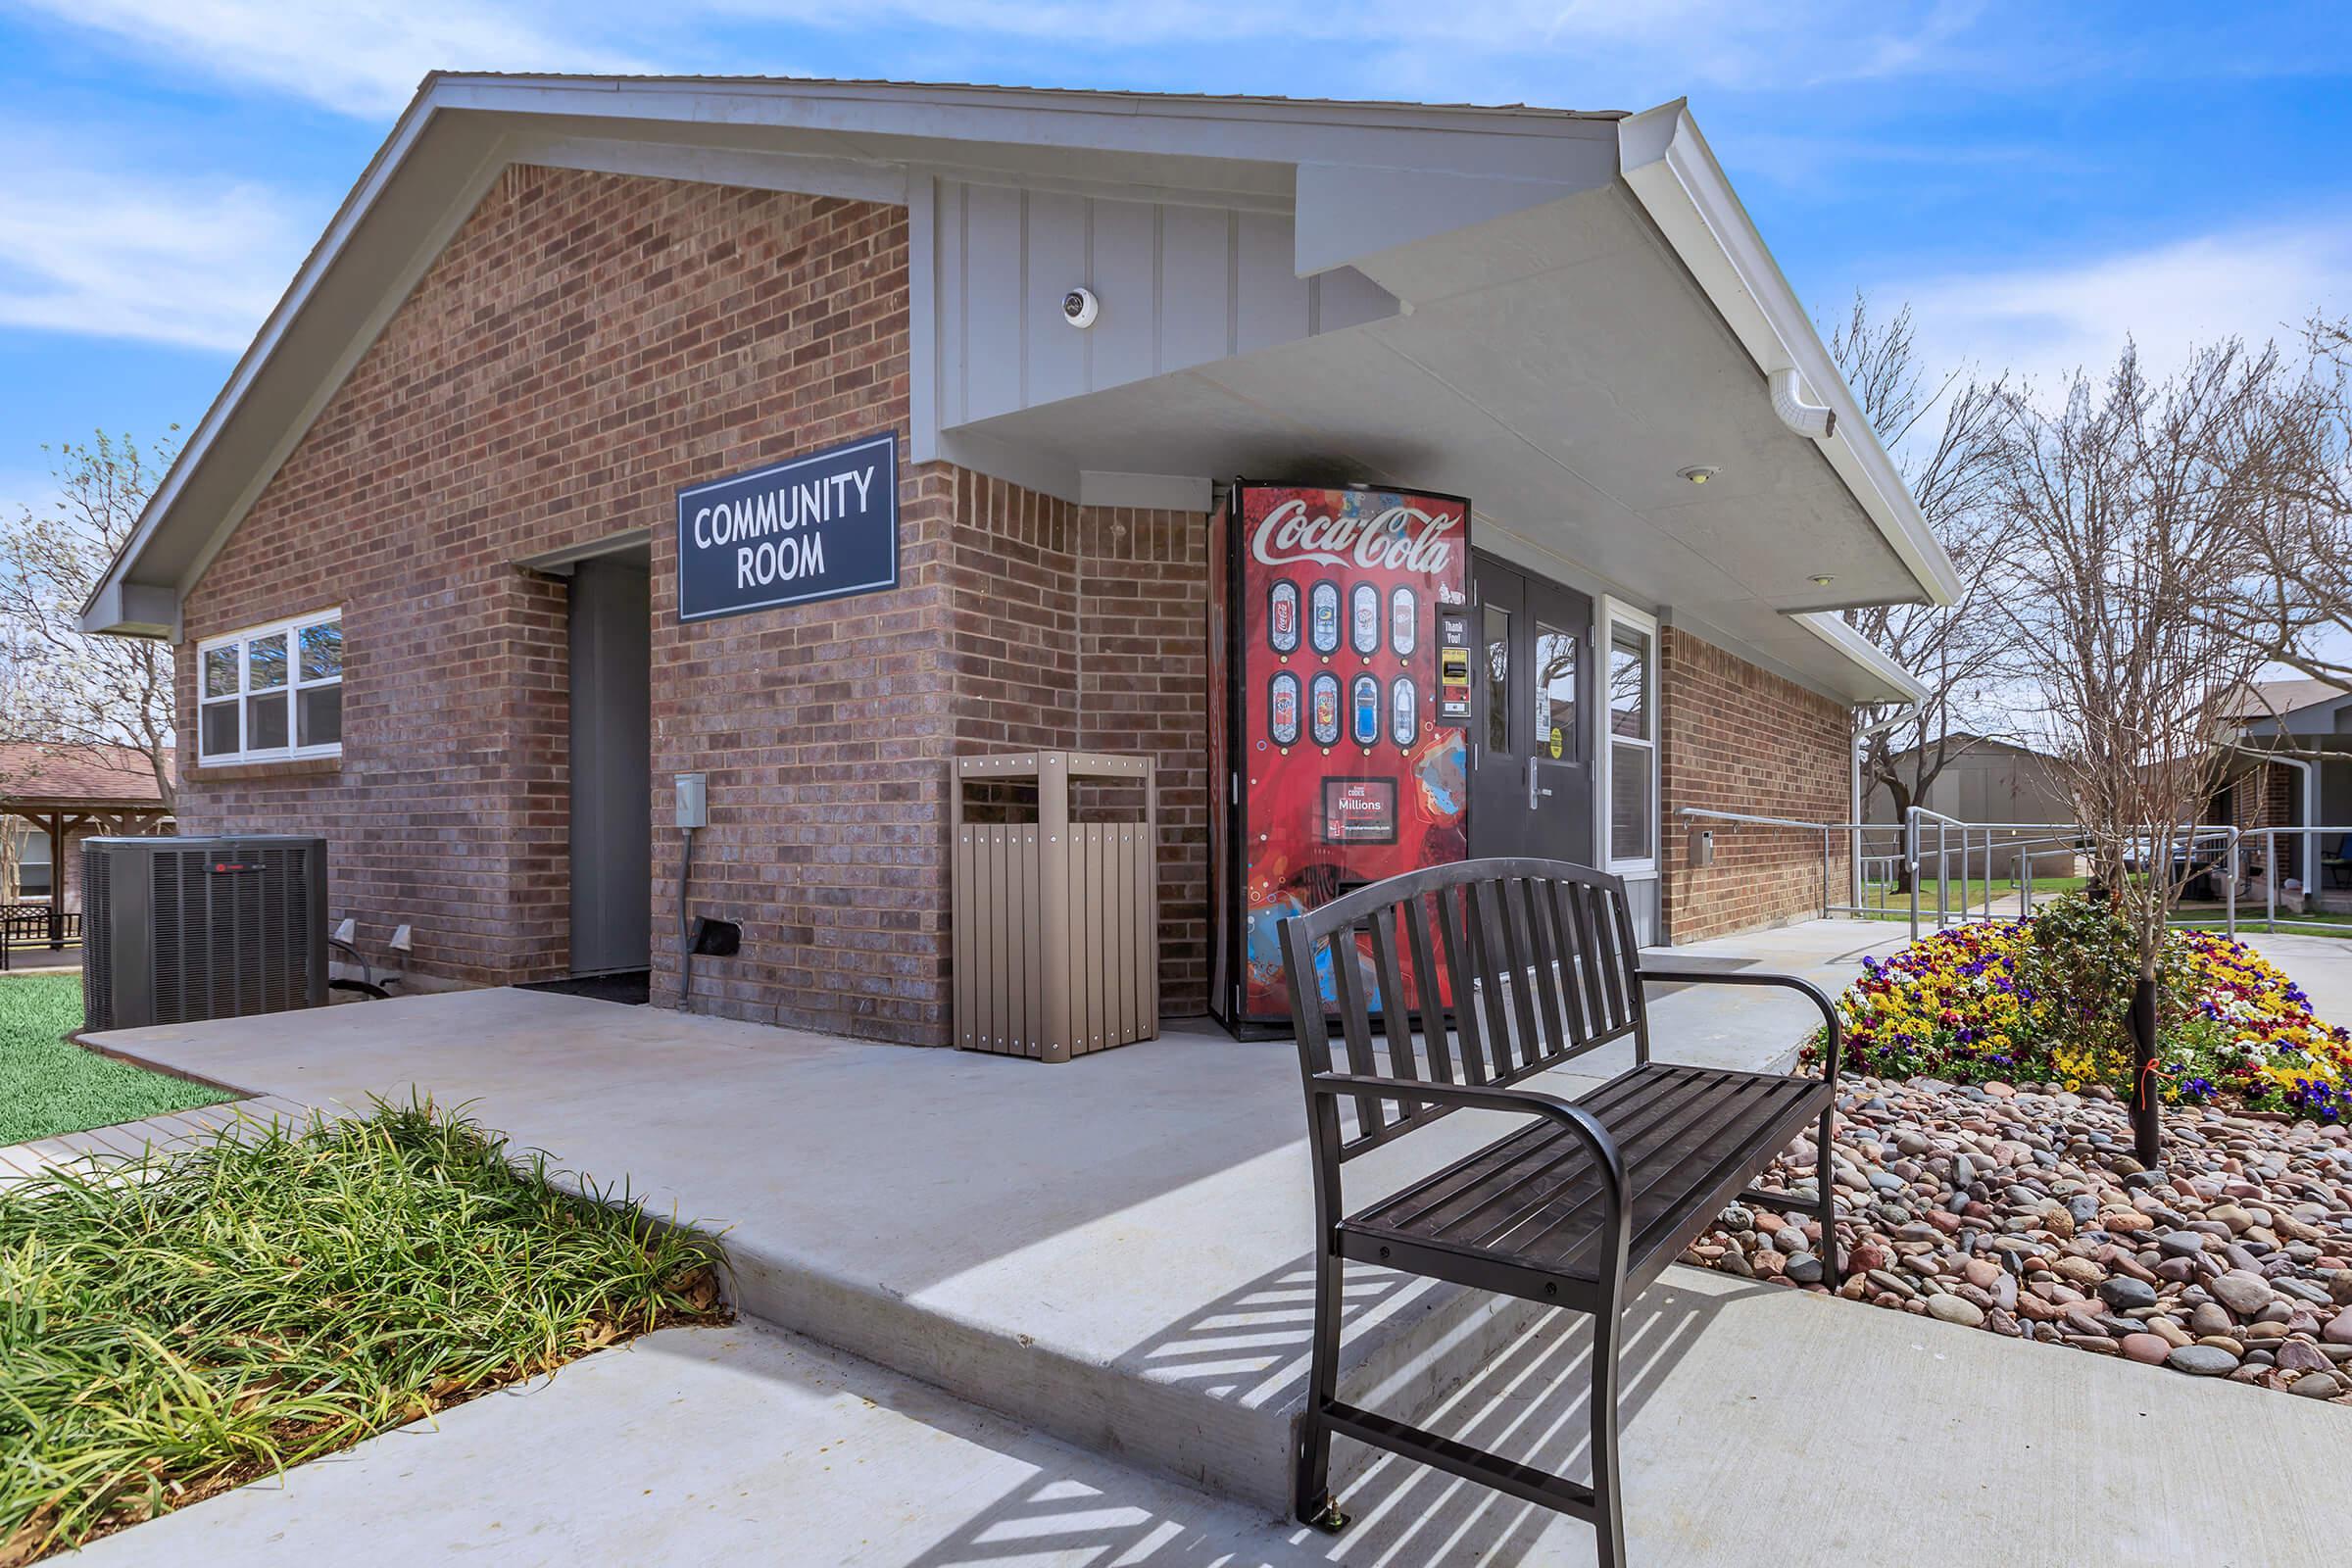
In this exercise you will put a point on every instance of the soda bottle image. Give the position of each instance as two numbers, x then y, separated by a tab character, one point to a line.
1282	710
1363	708
1405	621
1405	711
1325	694
1323	617
1281	620
1364	627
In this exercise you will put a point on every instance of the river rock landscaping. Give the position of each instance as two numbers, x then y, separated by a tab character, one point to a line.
1985	1165
2020	1208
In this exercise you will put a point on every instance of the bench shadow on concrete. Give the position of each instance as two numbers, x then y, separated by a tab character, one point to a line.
1528	1403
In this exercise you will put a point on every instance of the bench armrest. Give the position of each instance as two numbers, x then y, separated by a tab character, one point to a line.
1756	977
1488	1097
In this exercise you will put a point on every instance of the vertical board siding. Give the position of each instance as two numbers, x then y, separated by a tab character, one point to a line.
1180	283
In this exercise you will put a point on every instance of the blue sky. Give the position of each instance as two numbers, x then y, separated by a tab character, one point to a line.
2036	179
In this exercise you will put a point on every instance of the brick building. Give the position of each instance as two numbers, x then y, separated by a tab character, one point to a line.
437	594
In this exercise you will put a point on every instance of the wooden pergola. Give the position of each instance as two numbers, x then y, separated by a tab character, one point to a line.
65	790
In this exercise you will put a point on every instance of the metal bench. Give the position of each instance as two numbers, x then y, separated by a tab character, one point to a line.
1535	963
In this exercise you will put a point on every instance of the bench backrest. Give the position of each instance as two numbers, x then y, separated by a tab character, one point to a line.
1534	963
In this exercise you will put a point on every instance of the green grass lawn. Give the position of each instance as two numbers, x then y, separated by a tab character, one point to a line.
246	1303
48	1085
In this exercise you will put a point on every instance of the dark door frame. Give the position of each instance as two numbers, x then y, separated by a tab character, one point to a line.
1542	808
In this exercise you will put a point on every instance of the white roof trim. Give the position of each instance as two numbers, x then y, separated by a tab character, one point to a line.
1864	654
1675	175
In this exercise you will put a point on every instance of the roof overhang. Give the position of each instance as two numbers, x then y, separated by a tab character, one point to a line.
1524	230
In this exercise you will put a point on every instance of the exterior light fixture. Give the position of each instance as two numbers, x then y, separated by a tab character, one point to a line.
1698	473
1823	580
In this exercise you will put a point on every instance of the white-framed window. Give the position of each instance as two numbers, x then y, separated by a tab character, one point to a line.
34	870
1629	740
272	692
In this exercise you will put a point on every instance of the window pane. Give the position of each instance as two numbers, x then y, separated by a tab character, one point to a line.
1629	683
265	723
266	662
319	711
220	671
1499	678
323	652
1629	803
32	881
1556	691
220	728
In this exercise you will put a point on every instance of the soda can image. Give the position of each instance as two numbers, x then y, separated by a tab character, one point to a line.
1323	616
1282	710
1363	708
1404	622
1404	712
1364	619
1325	697
1282	617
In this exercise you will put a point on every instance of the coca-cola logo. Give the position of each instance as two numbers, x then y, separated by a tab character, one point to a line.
1398	538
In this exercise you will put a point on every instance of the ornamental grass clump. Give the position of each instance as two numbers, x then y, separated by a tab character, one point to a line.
175	1325
2046	1001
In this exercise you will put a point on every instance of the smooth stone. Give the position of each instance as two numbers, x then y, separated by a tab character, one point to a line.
2202	1360
2340	1330
1952	1309
2316	1386
2241	1292
2126	1294
2181	1243
2147	1348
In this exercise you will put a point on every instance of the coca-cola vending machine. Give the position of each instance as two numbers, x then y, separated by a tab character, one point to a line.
1346	697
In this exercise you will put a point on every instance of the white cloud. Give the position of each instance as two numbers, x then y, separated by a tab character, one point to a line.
111	255
361	59
2044	321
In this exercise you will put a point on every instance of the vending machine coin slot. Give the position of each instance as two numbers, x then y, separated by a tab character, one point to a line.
1454	669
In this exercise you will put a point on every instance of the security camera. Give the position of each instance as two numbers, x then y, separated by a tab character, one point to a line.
1079	306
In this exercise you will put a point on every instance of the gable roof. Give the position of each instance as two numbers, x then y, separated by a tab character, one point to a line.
2277	699
95	775
1438	171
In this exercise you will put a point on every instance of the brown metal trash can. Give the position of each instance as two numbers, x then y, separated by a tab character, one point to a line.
1054	921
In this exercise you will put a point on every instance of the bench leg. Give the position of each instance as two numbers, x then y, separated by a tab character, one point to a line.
1833	1273
1310	1494
1609	1507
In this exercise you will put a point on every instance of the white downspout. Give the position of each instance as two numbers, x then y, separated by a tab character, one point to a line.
1809	420
2311	812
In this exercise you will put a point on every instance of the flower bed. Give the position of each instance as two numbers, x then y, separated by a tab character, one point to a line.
2040	1000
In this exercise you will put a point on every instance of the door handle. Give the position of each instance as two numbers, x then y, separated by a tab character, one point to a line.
1535	790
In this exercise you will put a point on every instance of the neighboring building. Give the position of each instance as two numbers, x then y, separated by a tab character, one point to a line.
437	597
1986	780
51	799
2311	788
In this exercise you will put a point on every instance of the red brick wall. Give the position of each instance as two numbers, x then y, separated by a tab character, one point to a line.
1737	738
586	345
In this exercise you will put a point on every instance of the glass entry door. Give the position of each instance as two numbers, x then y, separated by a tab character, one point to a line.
1531	729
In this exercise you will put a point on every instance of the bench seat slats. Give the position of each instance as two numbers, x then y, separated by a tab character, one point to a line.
1533	1196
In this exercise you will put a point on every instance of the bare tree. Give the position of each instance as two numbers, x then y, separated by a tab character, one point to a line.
2303	617
2136	504
76	691
1960	653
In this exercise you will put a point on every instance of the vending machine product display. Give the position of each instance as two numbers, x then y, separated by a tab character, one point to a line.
1344	712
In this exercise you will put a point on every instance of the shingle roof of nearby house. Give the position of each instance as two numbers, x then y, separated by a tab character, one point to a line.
98	775
2275	698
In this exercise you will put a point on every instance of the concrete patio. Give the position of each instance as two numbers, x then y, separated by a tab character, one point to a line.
1111	1254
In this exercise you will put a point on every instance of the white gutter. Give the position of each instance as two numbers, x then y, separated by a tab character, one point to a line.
1859	649
1675	176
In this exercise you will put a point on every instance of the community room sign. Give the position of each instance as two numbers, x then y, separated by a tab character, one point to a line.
823	526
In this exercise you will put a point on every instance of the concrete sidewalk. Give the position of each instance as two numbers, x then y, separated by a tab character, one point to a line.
1762	1426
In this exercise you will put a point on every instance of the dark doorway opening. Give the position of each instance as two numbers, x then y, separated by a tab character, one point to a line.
611	752
1530	705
